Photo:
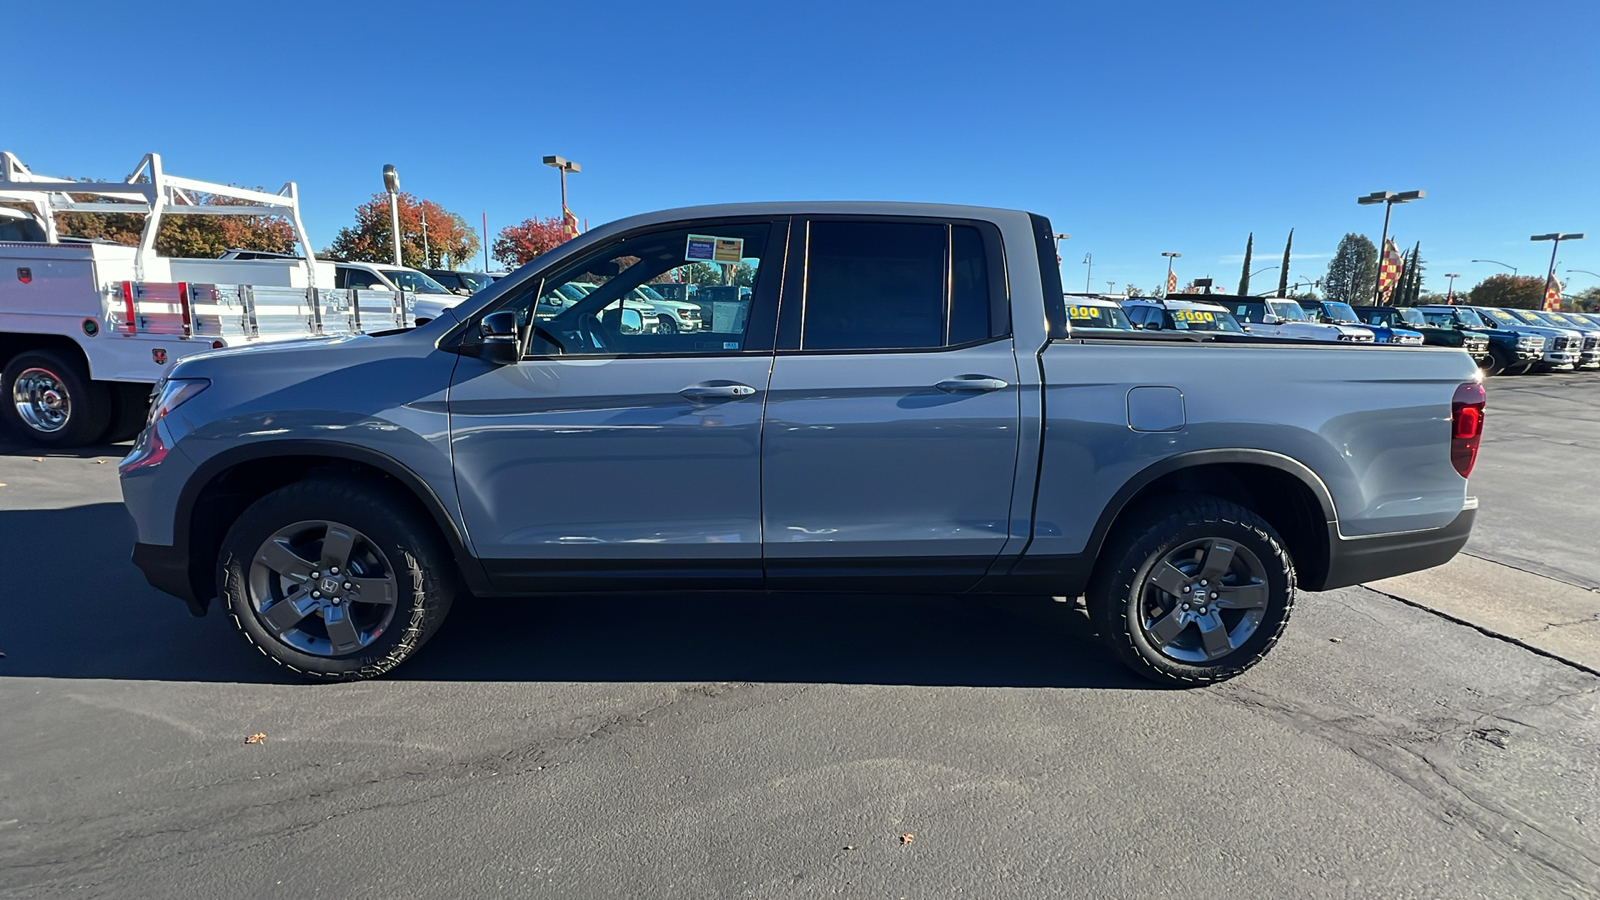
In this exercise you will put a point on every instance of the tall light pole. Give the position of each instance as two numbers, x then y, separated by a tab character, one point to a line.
1170	257
1450	293
1059	237
1111	287
391	183
1555	238
422	210
1500	264
563	166
1088	260
1388	199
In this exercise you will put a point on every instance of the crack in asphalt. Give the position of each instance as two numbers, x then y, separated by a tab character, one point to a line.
1566	860
1487	632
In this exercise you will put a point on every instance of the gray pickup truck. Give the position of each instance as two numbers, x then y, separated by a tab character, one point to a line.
897	404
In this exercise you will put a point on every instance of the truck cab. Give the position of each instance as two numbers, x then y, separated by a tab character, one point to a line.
1511	351
1189	313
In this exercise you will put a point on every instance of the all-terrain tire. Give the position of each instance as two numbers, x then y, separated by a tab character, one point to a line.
1120	590
419	561
84	406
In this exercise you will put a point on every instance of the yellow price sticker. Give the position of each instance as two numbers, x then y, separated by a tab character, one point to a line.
1083	312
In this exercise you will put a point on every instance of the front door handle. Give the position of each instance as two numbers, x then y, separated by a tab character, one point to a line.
700	392
971	383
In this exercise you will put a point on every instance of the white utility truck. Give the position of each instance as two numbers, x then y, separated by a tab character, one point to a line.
87	326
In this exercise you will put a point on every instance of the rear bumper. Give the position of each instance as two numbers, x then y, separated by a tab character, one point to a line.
1358	560
167	569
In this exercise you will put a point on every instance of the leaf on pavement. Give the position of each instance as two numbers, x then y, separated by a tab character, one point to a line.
907	838
257	738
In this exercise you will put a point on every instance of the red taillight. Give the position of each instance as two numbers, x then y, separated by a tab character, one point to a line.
1466	426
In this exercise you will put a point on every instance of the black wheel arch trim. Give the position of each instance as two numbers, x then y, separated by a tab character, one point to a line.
1079	565
471	570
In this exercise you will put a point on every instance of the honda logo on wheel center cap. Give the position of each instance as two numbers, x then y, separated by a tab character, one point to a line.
330	585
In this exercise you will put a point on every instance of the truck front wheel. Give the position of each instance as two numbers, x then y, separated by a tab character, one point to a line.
1193	591
50	400
335	578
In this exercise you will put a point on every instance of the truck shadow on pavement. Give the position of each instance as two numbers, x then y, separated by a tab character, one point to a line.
76	607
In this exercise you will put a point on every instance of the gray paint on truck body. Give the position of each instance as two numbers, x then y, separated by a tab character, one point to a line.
518	462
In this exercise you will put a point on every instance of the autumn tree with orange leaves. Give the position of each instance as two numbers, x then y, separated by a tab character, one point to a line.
450	238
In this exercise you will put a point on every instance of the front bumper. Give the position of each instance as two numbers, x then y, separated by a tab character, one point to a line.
167	569
1363	559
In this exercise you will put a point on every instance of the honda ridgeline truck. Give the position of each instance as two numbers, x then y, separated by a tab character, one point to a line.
901	405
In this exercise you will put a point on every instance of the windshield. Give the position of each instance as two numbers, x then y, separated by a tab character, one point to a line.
475	281
1203	320
1097	317
415	281
1500	315
1341	313
1288	311
1412	316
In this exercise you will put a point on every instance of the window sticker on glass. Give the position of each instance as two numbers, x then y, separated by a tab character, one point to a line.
1083	312
1194	315
707	248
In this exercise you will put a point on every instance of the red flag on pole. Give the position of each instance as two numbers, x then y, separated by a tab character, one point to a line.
1552	294
570	222
1172	282
1389	269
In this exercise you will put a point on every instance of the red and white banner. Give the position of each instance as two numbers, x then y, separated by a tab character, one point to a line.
1389	269
1552	294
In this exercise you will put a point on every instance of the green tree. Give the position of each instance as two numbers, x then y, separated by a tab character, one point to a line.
1244	274
369	239
1410	293
1353	270
1589	300
1133	290
1514	291
1283	270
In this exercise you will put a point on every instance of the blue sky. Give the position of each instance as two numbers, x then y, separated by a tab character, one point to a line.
1135	126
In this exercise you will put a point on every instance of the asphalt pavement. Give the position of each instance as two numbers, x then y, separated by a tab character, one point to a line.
804	746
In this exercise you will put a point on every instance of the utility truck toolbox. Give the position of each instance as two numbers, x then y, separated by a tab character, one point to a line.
900	403
88	326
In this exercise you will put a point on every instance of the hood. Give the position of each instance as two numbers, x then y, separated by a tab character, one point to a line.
307	355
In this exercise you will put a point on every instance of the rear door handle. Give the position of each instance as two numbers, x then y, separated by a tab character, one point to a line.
717	391
971	383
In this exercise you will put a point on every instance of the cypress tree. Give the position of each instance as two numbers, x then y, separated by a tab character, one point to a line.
1244	275
1283	270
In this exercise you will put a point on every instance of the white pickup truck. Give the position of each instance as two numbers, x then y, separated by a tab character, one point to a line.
88	326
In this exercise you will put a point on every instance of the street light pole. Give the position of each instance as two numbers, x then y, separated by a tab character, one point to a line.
1555	238
1168	284
1088	260
1060	236
1450	293
1500	264
563	166
422	210
391	183
1388	199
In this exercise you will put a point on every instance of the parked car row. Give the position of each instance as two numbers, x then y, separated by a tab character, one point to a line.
1502	341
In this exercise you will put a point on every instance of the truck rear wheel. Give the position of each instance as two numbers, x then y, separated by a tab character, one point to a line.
130	407
1499	362
1193	591
335	578
50	400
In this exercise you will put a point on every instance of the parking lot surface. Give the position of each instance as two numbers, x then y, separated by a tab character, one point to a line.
807	746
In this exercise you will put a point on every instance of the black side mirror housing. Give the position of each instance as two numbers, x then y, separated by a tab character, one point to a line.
498	335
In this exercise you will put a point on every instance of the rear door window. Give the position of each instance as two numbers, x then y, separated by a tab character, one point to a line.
895	285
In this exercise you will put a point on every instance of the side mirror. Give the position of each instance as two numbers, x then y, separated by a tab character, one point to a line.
1269	319
1246	328
498	331
631	322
